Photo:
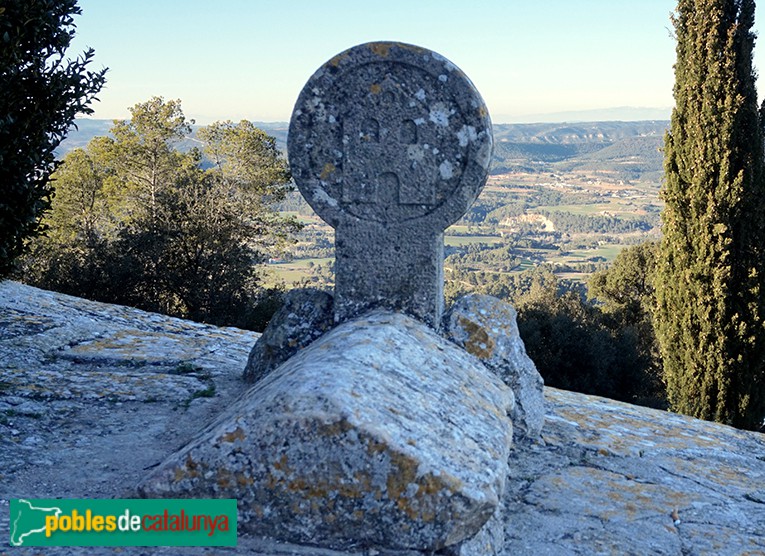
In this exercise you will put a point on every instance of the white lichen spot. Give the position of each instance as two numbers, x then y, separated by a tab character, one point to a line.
322	197
435	150
446	170
484	155
316	91
415	153
298	112
346	139
420	95
331	119
439	114
466	135
443	78
419	121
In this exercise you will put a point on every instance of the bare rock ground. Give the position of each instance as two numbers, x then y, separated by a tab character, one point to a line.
93	396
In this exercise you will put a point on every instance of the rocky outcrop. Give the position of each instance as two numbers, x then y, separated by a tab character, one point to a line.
306	314
486	327
381	434
605	477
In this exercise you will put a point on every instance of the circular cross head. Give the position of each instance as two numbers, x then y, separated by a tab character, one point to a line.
389	132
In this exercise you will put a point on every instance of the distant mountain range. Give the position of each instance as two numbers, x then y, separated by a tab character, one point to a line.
630	149
620	113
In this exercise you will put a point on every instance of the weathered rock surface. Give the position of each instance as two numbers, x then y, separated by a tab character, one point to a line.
380	434
607	478
486	327
307	313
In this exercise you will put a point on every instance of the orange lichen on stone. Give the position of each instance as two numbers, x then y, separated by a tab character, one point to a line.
237	434
380	48
281	465
375	89
337	59
192	466
224	478
328	169
179	474
243	480
478	343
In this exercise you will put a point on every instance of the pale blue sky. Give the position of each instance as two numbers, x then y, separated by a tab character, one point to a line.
248	59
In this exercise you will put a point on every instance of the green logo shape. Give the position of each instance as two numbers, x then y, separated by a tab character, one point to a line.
123	522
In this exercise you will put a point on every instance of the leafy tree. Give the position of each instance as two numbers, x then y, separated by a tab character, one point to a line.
571	345
711	264
626	297
42	92
143	157
142	223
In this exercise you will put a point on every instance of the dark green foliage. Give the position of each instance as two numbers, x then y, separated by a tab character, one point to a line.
626	296
574	347
42	92
581	223
711	263
137	222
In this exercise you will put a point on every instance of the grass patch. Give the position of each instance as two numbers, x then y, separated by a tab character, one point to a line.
185	368
208	392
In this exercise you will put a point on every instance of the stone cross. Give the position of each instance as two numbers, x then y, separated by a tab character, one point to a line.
390	144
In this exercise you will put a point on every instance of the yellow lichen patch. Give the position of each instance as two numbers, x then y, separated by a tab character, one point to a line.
297	485
428	486
478	342
328	169
237	434
179	474
420	505
224	478
192	466
243	480
281	465
337	59
375	88
335	429
380	49
404	472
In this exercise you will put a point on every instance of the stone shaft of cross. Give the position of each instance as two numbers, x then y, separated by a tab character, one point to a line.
390	144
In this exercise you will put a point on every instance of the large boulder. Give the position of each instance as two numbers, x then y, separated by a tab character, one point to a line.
486	327
306	314
379	434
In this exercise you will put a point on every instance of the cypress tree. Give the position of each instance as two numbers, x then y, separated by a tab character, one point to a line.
711	266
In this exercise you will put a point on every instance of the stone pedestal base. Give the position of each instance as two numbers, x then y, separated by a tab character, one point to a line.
394	266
